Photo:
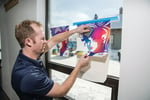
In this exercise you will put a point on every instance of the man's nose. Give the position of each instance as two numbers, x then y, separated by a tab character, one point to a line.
45	41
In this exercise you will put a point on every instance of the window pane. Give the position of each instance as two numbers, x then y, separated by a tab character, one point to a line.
65	12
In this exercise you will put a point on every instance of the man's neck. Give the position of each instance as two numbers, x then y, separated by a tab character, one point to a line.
29	53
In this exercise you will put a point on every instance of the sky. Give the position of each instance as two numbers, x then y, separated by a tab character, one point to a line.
65	12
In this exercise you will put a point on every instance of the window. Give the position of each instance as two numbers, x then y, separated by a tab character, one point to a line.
66	12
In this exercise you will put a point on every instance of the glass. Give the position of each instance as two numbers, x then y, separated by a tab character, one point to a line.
66	12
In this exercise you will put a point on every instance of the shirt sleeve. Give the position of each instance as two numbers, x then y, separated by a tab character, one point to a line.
36	83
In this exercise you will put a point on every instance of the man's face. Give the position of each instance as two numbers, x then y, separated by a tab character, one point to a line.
39	40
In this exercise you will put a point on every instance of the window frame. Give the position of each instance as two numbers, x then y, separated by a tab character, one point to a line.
111	81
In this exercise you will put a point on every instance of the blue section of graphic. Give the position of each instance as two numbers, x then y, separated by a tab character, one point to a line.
97	20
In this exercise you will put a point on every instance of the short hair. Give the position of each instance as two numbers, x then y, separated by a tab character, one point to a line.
25	30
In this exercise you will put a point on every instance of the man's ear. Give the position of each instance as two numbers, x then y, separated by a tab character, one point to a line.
28	42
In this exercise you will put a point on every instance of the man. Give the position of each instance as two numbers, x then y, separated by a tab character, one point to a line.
29	78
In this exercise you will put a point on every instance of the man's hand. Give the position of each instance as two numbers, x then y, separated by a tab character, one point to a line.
83	61
82	29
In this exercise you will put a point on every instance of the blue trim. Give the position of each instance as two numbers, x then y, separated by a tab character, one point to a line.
97	20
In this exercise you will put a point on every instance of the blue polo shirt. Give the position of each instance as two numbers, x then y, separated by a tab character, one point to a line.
30	79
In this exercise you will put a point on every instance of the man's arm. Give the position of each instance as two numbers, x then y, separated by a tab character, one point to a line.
60	37
61	90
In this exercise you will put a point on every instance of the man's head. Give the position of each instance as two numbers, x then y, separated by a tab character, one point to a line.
30	36
25	30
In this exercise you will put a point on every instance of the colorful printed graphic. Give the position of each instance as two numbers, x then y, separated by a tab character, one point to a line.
97	39
60	29
61	47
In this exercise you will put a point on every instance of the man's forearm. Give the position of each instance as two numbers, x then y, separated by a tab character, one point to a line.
62	36
61	90
59	38
68	83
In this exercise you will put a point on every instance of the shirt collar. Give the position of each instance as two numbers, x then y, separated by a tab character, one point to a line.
35	62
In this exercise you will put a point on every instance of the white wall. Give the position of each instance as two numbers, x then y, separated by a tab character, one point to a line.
135	61
26	9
